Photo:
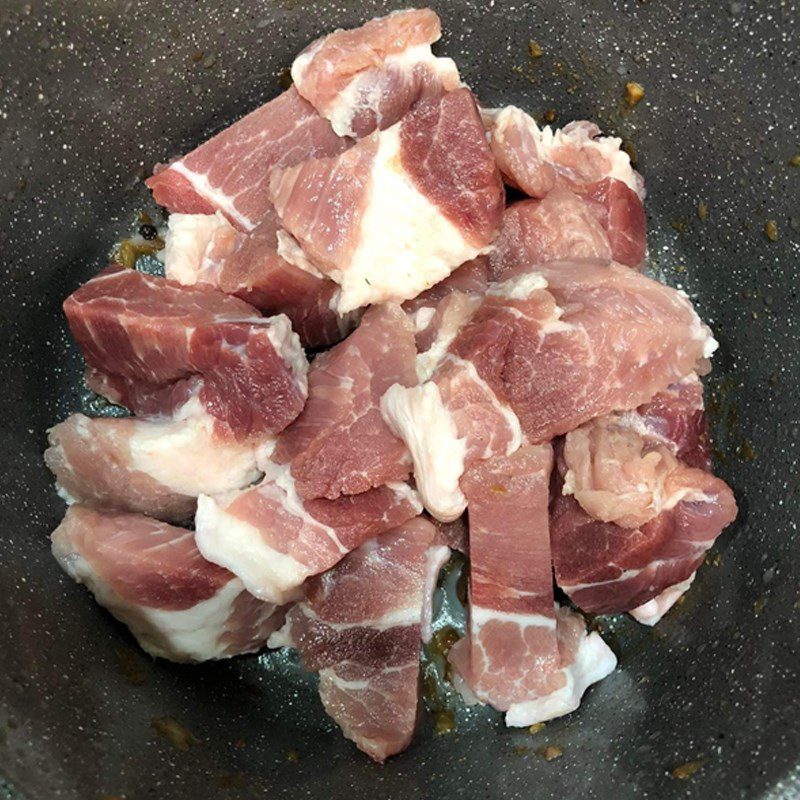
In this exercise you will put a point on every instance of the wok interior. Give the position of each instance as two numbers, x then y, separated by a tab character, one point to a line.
713	682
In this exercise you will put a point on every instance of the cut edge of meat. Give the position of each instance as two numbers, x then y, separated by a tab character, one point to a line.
438	556
593	661
269	574
193	634
653	611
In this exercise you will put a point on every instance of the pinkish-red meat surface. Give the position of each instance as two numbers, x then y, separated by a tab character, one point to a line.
321	203
273	540
359	627
440	325
445	153
250	268
560	227
621	214
636	506
340	443
520	153
151	576
677	416
91	460
486	426
600	337
439	155
606	222
575	157
369	77
231	171
151	344
156	467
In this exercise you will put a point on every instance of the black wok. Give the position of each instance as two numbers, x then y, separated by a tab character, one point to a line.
92	93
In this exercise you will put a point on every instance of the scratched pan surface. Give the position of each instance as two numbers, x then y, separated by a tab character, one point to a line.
92	93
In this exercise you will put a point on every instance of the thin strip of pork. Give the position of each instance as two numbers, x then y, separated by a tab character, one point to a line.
207	249
151	576
632	518
340	443
369	77
537	160
578	340
359	627
519	655
273	540
230	172
152	345
399	211
153	467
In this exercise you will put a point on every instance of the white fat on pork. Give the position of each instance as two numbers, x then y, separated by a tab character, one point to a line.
238	546
186	456
191	634
406	244
287	345
454	312
289	250
196	245
700	331
519	288
151	577
417	415
651	612
593	661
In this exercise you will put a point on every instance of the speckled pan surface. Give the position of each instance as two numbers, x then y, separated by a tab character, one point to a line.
92	93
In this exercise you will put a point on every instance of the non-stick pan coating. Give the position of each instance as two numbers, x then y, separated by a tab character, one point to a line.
92	93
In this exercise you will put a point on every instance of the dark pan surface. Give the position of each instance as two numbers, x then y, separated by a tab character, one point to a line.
92	93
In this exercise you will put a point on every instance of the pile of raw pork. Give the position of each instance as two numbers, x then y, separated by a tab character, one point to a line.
495	377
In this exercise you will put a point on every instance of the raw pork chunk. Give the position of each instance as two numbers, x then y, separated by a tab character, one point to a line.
153	467
637	507
207	249
153	345
517	656
151	576
359	627
578	340
369	77
565	226
576	156
398	212
273	540
230	172
340	444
